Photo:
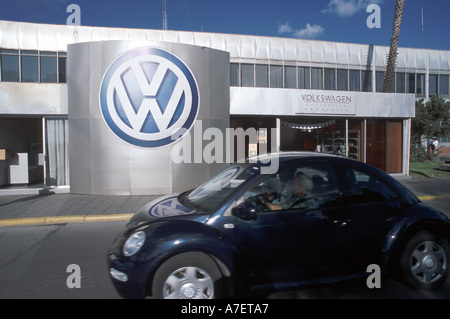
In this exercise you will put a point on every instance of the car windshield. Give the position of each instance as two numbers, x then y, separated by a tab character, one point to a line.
210	195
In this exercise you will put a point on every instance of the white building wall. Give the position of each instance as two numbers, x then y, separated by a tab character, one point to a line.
30	36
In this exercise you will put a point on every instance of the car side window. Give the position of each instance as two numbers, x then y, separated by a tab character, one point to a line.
365	188
293	188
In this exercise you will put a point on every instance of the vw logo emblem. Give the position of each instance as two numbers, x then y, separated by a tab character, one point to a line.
168	207
149	97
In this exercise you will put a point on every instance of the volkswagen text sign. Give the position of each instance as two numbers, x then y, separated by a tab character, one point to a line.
149	97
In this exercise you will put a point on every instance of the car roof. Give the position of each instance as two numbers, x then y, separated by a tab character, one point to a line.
286	156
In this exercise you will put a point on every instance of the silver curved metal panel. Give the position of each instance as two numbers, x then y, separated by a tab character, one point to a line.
130	103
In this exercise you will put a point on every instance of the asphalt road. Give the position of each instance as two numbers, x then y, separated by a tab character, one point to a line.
34	264
34	260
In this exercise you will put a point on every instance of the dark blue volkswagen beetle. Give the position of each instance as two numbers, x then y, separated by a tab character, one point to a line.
318	219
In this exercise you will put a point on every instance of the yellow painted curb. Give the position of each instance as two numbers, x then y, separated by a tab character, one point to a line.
64	219
428	198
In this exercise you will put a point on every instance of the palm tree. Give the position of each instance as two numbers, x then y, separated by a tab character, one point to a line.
393	51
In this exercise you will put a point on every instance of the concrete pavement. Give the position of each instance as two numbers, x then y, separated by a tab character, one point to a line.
52	207
57	208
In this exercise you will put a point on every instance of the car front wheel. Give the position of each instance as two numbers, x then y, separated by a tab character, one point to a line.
424	261
188	276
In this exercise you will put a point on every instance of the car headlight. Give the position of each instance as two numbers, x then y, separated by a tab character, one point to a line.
134	243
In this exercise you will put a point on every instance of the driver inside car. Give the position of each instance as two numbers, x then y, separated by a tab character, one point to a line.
299	196
278	189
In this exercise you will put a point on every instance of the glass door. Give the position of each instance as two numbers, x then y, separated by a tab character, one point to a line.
56	133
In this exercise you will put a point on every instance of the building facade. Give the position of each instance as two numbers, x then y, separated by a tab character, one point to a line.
297	95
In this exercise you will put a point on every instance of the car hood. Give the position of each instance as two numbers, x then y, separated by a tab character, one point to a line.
165	207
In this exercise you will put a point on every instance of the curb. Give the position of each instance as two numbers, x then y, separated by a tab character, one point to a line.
64	219
106	218
429	198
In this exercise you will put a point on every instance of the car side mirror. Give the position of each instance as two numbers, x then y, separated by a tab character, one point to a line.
245	211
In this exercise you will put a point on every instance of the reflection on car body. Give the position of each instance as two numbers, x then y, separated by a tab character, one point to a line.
319	219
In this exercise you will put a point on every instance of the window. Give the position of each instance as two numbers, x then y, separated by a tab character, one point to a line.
248	75
234	74
262	75
9	65
420	84
401	82
32	66
380	80
342	80
304	78
290	77
316	79
367	81
443	85
276	76
48	67
433	87
330	79
364	188
29	66
411	83
62	59
355	80
210	195
294	188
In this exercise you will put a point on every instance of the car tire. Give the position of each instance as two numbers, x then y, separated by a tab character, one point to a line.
192	275
424	261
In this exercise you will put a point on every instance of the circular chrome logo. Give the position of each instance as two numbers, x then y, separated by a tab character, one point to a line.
149	97
169	207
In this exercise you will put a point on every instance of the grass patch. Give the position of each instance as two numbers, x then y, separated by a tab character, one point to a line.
427	169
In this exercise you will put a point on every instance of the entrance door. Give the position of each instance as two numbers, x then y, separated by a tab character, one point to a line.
56	152
376	143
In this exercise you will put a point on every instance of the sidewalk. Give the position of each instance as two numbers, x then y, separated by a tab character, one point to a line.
52	208
48	207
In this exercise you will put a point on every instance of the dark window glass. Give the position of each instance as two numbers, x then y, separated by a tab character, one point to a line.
443	85
433	88
367	81
317	79
276	76
380	80
29	69
364	188
342	80
304	78
9	64
248	75
330	79
401	83
411	83
262	75
294	188
420	84
48	69
290	77
355	80
62	69
234	74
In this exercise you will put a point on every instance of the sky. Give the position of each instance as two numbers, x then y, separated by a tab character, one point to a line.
325	20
